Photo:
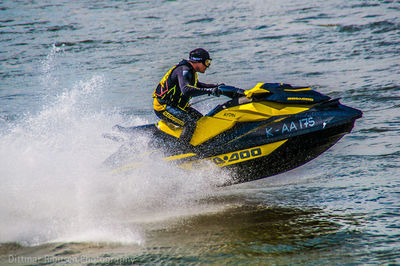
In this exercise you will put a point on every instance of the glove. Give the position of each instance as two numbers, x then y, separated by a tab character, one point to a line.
216	91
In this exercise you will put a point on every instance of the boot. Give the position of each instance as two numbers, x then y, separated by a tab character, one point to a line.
187	133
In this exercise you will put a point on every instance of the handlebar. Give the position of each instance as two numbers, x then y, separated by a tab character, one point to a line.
230	91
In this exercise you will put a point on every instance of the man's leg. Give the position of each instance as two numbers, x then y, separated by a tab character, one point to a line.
190	124
179	117
194	113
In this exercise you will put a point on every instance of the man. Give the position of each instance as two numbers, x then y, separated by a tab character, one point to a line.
178	86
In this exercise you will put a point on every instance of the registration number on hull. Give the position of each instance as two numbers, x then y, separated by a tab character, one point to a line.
293	126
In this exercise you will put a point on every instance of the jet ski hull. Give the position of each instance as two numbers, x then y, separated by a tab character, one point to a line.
296	152
252	148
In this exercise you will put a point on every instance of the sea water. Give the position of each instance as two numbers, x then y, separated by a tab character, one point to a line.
71	70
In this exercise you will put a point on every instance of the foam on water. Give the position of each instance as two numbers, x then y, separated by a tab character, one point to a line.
55	187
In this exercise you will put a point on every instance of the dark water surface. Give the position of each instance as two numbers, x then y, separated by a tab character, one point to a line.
70	70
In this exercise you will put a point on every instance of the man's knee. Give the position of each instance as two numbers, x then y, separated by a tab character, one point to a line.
168	116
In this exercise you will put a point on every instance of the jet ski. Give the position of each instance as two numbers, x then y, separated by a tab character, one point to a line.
267	130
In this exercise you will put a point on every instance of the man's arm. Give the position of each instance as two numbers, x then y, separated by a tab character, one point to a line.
205	85
183	76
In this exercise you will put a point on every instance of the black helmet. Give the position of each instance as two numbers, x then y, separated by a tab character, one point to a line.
200	55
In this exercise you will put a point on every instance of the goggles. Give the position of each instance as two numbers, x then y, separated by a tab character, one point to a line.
207	62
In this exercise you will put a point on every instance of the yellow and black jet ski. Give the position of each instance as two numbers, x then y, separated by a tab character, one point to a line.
260	132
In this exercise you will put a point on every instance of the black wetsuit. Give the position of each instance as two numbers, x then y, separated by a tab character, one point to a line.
173	94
